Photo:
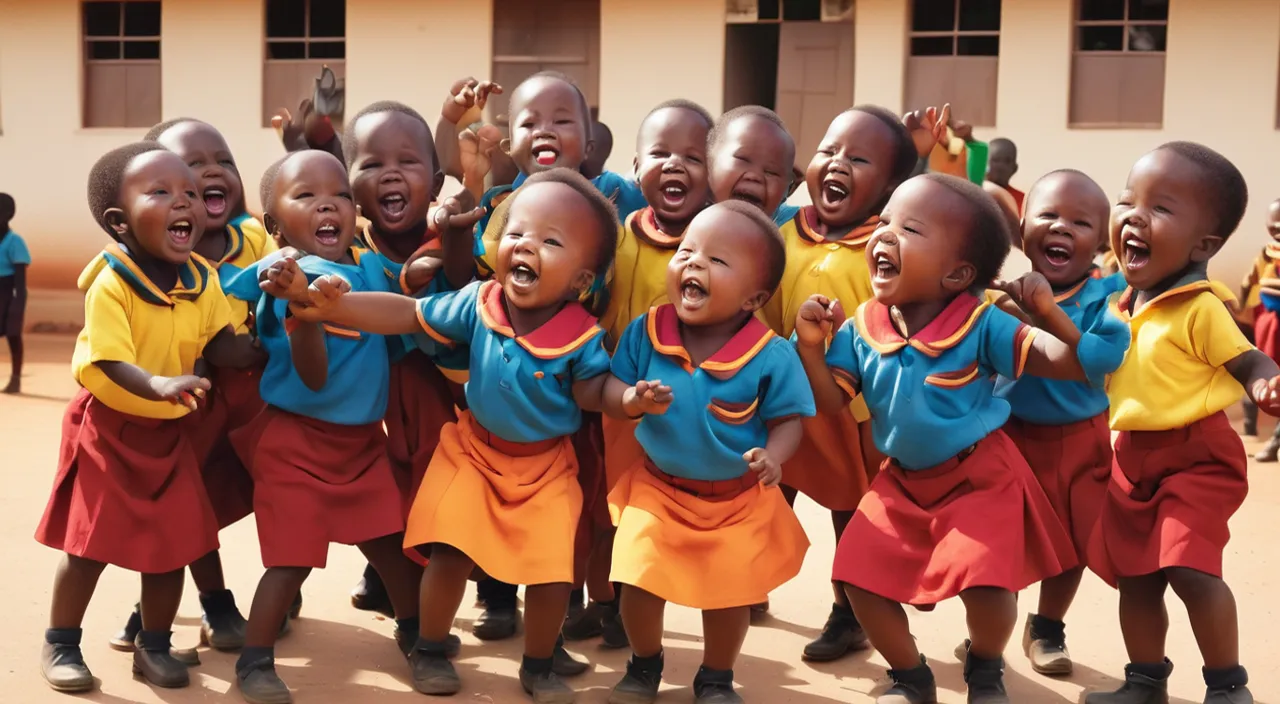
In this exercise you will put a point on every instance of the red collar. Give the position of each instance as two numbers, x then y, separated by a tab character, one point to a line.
568	330
941	334
809	227
644	225
663	325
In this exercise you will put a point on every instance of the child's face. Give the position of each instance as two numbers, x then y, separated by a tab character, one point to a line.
1273	220
161	213
1002	164
1064	228
714	276
313	206
671	164
1164	220
548	128
209	157
752	163
849	176
916	254
548	251
393	174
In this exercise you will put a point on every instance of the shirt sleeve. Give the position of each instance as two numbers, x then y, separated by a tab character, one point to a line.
842	358
1215	338
450	318
243	283
217	311
627	196
785	214
1104	339
788	393
18	253
626	356
106	322
1005	343
591	360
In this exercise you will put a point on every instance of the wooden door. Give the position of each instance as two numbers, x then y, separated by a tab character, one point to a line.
815	80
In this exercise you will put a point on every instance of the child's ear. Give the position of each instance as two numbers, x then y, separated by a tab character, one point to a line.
505	145
635	166
114	217
437	183
1206	248
273	228
960	278
757	301
583	281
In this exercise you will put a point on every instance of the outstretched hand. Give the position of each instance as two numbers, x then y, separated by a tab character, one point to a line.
1266	393
467	99
1031	292
928	127
651	398
766	468
285	280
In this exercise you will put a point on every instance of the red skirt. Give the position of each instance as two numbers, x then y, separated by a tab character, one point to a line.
1073	465
233	402
981	520
127	492
317	483
1266	332
1169	500
420	402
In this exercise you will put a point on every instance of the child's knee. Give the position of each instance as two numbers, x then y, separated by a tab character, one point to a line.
1191	584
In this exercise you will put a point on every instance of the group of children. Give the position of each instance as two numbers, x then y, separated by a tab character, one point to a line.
624	381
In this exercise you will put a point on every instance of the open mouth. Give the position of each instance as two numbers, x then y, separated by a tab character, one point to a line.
1057	255
885	267
674	194
748	197
215	202
1136	253
393	205
545	155
523	275
834	193
692	293
180	232
327	235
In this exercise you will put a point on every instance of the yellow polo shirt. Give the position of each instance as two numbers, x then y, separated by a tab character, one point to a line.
639	280
1174	372
127	319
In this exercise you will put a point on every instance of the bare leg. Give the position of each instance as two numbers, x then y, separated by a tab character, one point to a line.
401	575
1057	593
206	572
161	594
15	357
642	615
73	586
444	582
724	631
991	614
271	602
1212	609
1144	621
886	625
544	608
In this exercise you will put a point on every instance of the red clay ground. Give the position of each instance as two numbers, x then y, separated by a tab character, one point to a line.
337	654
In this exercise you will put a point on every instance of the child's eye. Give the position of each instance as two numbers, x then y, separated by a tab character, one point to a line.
659	153
304	195
514	235
912	230
227	162
1162	209
160	192
740	158
551	242
1049	215
345	194
1084	223
191	194
859	160
827	151
564	121
408	160
717	260
371	165
771	174
527	124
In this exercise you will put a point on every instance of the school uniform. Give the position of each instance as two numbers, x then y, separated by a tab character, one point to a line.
13	253
1061	427
695	527
318	458
1179	469
1265	307
956	505
502	487
830	465
128	490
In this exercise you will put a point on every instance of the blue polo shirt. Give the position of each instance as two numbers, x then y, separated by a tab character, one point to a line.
722	408
1103	341
930	396
355	392
520	387
13	252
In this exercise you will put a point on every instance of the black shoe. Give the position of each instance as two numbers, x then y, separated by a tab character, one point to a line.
155	663
1143	684
1045	644
259	683
586	624
496	623
841	635
222	626
714	687
613	634
640	684
1269	452
432	672
62	663
406	641
124	640
370	594
985	679
760	612
1227	686
546	687
914	686
565	665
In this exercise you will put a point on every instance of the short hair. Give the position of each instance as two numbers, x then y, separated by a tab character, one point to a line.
107	176
722	125
606	215
905	156
1092	185
349	149
1220	178
583	108
8	208
267	187
153	134
776	254
682	104
988	239
1006	142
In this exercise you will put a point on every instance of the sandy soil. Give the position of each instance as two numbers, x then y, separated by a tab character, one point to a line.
337	654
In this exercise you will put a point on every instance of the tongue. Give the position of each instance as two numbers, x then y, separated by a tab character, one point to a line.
546	158
393	207
215	205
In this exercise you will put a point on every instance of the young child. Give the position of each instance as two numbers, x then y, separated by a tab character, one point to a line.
232	241
317	453
501	492
14	259
866	153
128	491
1260	296
1061	426
750	157
1179	471
719	396
955	511
1002	164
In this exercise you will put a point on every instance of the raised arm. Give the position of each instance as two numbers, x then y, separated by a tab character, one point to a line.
814	323
1054	349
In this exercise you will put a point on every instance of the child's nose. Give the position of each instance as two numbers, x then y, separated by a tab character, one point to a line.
327	207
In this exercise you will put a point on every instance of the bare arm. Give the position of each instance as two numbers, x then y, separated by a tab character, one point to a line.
227	349
1053	353
622	400
447	147
1254	370
19	283
143	384
784	439
589	393
375	313
827	394
310	357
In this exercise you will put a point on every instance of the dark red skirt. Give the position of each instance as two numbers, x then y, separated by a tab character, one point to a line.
420	402
233	402
317	483
919	537
1073	465
588	445
1169	500
1266	332
127	492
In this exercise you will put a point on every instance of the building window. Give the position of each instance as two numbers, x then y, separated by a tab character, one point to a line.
1117	66
551	35
955	57
303	36
121	64
767	11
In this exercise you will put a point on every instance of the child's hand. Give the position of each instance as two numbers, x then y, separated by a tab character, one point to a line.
928	127
647	398
466	101
1266	393
305	129
325	291
816	319
285	280
456	213
1031	292
962	129
184	390
759	461
475	150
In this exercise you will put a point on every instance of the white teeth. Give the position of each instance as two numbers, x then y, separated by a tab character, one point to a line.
837	189
182	223
1136	244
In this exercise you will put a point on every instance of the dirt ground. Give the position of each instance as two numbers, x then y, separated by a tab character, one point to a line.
337	654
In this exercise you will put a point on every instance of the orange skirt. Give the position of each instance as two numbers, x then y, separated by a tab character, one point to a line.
512	508
233	402
829	467
622	452
700	552
1169	500
980	520
419	404
127	492
317	483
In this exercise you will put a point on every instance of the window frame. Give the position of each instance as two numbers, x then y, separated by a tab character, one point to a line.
955	33
977	98
121	38
307	61
1076	53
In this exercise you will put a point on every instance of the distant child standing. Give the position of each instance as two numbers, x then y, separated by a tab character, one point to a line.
1260	302
1179	471
1002	164
14	260
128	490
